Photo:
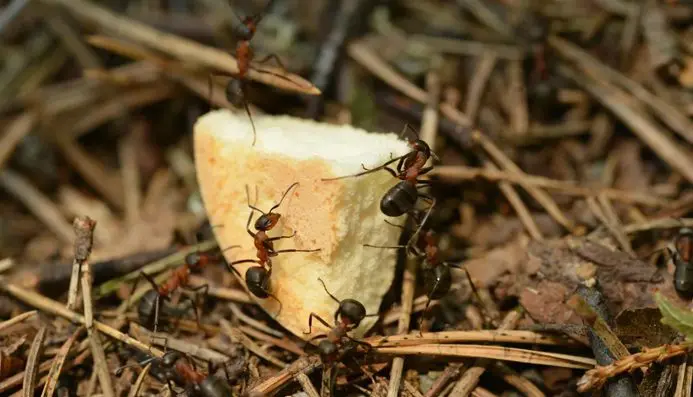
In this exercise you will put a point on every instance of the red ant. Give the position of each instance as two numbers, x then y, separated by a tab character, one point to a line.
173	369
257	278
436	273
402	198
347	317
180	277
682	254
237	87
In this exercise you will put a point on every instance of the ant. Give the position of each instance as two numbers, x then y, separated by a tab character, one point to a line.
682	255
257	278
237	87
176	368
402	198
151	303
436	273
347	317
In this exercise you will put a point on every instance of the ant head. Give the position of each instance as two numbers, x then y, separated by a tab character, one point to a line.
170	358
684	244
351	312
420	146
267	221
328	350
257	279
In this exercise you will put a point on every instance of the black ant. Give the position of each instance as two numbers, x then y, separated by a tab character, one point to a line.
180	277
436	273
682	255
347	317
237	87
257	278
402	198
176	368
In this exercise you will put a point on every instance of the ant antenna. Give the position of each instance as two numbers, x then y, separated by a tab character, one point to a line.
247	196
328	292
118	371
283	196
228	248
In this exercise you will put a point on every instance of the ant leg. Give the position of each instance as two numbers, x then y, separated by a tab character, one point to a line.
358	342
425	170
247	110
415	236
271	57
310	322
297	250
281	237
368	171
386	168
428	303
281	305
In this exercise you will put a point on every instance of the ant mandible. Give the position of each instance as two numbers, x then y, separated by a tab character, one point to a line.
347	317
237	87
402	198
180	277
682	255
179	369
257	278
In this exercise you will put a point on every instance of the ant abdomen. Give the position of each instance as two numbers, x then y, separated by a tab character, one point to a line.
328	350
438	281
258	281
234	92
399	200
213	386
683	280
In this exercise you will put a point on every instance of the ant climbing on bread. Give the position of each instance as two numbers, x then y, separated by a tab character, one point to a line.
237	87
258	277
402	198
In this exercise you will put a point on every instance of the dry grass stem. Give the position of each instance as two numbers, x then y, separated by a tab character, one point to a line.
237	336
183	49
595	378
14	133
40	205
524	385
32	363
493	336
304	365
307	385
506	163
518	205
17	319
58	362
458	172
477	84
639	122
470	378
135	389
48	305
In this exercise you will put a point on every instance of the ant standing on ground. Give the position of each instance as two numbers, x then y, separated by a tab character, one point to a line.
237	87
682	255
179	369
257	278
402	198
436	273
151	303
346	318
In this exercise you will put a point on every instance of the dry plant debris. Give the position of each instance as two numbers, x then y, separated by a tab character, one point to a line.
557	258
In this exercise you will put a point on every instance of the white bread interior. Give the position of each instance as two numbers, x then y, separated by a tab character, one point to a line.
336	216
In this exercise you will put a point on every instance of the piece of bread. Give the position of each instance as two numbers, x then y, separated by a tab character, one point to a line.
336	216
